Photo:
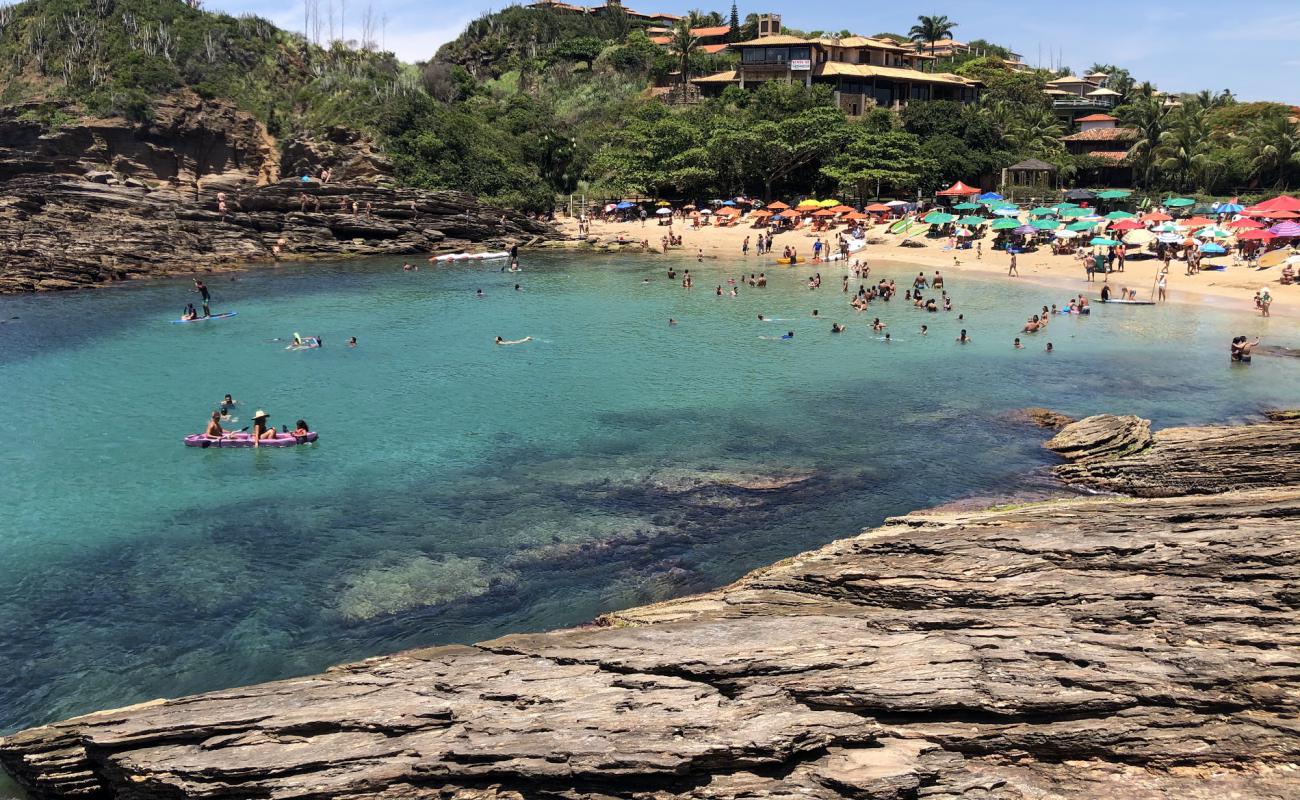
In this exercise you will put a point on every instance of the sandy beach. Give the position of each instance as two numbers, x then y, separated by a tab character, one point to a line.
1232	289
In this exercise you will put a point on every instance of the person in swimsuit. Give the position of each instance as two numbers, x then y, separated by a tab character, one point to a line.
1049	347
215	430
189	313
963	338
1018	345
1241	348
514	341
788	335
300	428
261	431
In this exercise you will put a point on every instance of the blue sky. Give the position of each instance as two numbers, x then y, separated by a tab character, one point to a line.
1251	47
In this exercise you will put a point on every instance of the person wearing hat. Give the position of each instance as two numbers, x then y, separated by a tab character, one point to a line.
260	429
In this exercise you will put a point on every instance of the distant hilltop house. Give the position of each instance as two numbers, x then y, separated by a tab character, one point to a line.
863	72
609	7
1102	139
1074	97
712	39
949	48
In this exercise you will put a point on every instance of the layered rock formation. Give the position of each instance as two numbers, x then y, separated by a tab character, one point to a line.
1099	648
104	200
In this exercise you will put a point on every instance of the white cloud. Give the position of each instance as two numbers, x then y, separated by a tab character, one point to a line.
419	44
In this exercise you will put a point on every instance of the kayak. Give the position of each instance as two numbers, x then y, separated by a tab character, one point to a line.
243	439
1129	302
471	256
786	261
222	315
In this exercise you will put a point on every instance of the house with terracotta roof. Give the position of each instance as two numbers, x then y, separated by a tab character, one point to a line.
863	71
1108	146
1074	97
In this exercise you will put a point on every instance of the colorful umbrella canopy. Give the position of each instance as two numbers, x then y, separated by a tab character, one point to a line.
1178	202
825	212
663	212
1067	234
1005	224
1043	212
1138	237
761	214
1080	194
1117	215
1080	226
728	211
1007	211
938	218
1244	224
1286	229
975	221
1100	241
989	196
842	209
828	203
1196	222
1155	216
1273	214
1228	208
1213	233
1045	224
857	215
1024	229
878	207
1213	249
1126	225
963	233
778	206
958	189
1114	194
1075	213
663	203
965	206
1253	235
810	204
1280	203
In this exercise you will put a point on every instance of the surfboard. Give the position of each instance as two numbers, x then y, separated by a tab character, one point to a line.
1129	302
1275	257
222	315
897	227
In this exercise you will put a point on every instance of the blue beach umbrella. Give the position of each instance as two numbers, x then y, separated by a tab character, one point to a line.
1213	249
989	196
623	206
1007	212
1228	208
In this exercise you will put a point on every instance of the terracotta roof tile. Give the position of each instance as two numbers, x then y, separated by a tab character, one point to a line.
1104	135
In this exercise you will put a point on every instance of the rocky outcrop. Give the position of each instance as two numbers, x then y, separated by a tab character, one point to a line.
100	200
1120	454
1098	648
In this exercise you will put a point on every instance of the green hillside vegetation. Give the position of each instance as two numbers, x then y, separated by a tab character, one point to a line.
528	105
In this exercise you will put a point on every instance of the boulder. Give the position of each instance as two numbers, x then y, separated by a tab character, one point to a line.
1101	437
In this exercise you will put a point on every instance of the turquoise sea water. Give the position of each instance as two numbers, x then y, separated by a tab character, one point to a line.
462	490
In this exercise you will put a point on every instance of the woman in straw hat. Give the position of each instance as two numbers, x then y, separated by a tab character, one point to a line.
260	429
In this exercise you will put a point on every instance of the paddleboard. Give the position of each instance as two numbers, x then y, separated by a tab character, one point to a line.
1129	302
222	315
1274	257
898	226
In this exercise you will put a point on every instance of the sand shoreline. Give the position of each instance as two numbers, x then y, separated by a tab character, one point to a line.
1233	289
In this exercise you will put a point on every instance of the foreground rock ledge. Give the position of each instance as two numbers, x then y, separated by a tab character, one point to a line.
1081	648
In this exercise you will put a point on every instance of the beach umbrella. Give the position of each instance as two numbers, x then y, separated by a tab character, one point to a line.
1286	230
610	207
878	208
1080	226
965	206
1213	233
1178	202
1283	202
663	212
1075	213
825	212
1045	224
1114	194
1213	249
1100	241
1126	225
1253	235
688	208
938	218
777	206
1138	237
963	233
1067	234
1273	214
625	205
842	209
728	211
1118	215
1007	211
663	203
1043	212
705	211
1196	222
1005	225
1026	229
972	221
1244	224
1080	194
810	204
857	215
1170	238
1228	208
989	196
728	202
828	203
1155	216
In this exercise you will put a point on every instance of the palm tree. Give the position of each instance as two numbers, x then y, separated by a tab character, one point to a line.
1035	131
930	30
1273	144
684	45
1184	147
1149	116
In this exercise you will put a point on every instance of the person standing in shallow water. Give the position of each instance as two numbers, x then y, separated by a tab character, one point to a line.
1012	272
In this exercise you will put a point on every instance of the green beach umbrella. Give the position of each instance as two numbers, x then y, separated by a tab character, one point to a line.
970	221
1005	224
1064	205
1080	226
938	218
1075	213
966	207
1043	212
1045	224
1102	242
1114	194
1114	215
1179	202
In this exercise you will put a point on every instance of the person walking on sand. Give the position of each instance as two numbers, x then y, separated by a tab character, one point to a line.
744	247
1162	283
1012	272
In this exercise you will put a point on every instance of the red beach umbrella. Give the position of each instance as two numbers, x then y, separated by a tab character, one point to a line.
1156	216
1256	234
1244	223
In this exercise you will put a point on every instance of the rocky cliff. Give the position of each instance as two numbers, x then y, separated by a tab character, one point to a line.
101	200
1098	648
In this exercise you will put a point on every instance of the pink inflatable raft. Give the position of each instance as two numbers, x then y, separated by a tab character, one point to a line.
242	439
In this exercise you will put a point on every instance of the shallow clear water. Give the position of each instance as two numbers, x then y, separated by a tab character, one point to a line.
462	490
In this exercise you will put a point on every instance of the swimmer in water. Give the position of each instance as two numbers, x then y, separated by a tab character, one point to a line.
924	330
352	341
963	338
1018	345
672	321
514	341
518	288
478	293
887	339
788	335
837	328
228	401
1049	347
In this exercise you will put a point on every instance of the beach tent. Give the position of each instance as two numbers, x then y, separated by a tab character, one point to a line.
958	189
1256	235
938	218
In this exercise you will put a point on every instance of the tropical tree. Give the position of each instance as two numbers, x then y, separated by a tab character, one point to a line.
684	46
1184	148
1149	115
1034	131
1273	146
1117	78
879	160
930	29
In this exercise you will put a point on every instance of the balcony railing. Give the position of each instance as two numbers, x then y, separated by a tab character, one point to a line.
1083	102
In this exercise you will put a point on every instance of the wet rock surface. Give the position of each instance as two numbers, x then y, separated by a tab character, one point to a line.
1100	648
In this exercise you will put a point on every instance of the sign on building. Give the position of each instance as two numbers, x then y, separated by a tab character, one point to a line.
800	64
